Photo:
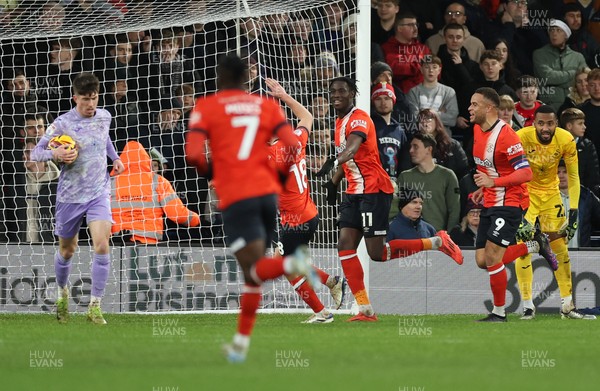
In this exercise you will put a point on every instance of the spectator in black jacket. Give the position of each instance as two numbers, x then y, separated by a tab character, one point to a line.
589	210
409	224
573	120
580	40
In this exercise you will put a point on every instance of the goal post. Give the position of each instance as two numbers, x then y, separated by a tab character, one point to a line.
153	58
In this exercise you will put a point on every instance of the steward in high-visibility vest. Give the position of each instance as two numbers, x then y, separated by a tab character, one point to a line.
140	198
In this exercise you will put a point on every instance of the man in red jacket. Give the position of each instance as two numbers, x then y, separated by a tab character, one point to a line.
404	53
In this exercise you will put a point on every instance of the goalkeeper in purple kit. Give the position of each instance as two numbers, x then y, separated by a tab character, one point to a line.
83	189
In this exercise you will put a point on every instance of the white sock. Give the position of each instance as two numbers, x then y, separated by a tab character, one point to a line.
567	302
330	283
95	300
366	309
499	311
241	341
532	246
528	304
436	242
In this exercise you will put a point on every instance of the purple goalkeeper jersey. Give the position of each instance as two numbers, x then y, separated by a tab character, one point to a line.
86	178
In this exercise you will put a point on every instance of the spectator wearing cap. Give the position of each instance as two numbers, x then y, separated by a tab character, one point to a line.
381	72
556	64
580	40
430	94
465	233
409	223
404	53
391	138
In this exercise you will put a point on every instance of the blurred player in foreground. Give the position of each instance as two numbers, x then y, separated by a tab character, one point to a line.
298	213
238	127
366	205
83	189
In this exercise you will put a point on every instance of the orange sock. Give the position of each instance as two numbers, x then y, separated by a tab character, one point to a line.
498	283
249	303
307	294
354	275
322	275
268	268
513	252
401	248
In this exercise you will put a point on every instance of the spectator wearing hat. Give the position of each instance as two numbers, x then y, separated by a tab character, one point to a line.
381	72
465	233
408	223
325	69
430	94
556	64
404	53
391	138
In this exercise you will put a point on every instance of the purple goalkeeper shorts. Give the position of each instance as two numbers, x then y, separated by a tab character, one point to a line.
69	216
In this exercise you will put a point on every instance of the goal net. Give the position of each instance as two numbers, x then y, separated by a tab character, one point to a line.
153	58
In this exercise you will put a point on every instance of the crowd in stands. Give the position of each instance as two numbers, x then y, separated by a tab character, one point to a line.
427	59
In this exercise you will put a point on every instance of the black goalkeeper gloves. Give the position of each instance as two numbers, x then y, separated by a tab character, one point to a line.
331	191
572	225
330	164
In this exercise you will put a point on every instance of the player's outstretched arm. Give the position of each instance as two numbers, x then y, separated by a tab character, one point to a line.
305	118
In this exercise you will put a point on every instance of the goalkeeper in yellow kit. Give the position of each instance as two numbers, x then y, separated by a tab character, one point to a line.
545	145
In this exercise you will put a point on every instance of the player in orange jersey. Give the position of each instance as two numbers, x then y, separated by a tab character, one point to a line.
502	169
298	213
238	127
365	208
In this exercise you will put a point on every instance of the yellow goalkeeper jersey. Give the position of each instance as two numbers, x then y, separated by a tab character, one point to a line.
544	158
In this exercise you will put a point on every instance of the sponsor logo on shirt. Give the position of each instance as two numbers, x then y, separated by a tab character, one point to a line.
485	163
358	123
514	149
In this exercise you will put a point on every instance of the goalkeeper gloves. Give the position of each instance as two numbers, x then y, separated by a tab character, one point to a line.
525	231
330	164
569	231
331	190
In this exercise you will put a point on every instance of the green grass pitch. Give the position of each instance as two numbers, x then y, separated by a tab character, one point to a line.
183	352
